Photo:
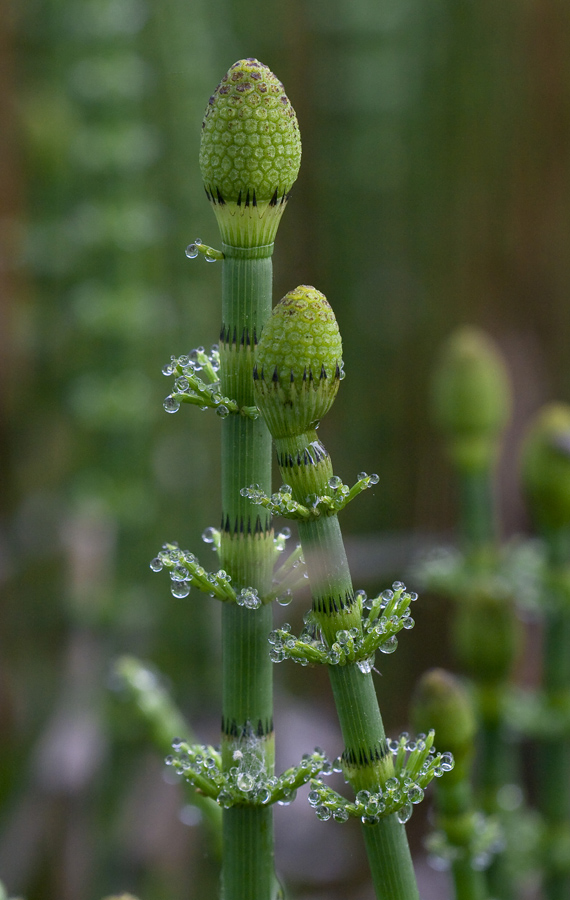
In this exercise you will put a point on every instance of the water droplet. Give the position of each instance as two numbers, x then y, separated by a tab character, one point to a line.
180	573
209	257
413	596
156	564
362	476
387	595
169	369
323	813
222	411
363	797
192	250
180	589
408	622
415	794
390	646
366	665
225	799
171	404
374	478
405	813
285	599
399	586
263	795
314	798
335	482
340	815
209	535
245	781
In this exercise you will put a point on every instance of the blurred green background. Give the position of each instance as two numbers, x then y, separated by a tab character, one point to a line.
434	191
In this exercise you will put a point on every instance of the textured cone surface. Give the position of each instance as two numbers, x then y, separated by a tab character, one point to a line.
298	362
251	148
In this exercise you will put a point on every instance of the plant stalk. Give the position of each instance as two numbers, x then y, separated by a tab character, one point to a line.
246	553
354	692
554	768
477	510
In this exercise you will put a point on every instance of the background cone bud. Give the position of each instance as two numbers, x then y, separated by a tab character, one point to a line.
250	153
486	636
441	702
298	363
471	398
546	467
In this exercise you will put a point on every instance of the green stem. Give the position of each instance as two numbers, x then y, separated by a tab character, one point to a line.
246	553
477	509
497	766
456	809
355	697
248	871
554	787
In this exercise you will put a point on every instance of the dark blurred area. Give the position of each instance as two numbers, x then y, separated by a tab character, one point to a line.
434	191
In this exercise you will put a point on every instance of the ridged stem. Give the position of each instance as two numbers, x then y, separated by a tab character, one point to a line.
554	768
246	553
354	693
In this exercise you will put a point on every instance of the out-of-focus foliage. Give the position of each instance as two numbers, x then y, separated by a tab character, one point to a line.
434	190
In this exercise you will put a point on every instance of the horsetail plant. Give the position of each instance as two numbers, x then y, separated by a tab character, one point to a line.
464	840
471	401
298	368
546	482
249	158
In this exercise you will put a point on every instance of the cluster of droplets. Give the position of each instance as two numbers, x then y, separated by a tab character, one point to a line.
186	572
247	779
291	574
202	389
485	841
248	597
281	503
415	765
198	246
388	614
519	571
